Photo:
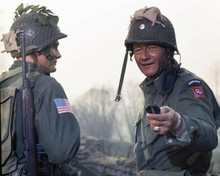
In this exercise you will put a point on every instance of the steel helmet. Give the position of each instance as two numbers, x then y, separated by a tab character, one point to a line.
149	26
39	26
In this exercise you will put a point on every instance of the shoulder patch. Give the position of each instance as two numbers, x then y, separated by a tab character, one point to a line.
194	82
63	105
198	92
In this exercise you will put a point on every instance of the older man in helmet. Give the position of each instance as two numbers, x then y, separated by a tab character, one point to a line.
57	129
177	138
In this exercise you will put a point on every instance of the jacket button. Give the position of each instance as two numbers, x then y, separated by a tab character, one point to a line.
170	140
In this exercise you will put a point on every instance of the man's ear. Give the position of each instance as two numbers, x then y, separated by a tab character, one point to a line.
170	53
34	57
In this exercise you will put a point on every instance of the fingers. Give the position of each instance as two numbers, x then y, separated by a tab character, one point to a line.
163	122
157	129
165	109
156	117
157	123
160	129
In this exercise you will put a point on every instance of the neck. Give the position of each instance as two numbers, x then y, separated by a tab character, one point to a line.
32	58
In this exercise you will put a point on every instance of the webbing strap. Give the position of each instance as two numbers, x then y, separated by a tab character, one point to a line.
191	160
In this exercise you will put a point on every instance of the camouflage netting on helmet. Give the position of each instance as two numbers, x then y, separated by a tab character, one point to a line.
39	28
149	26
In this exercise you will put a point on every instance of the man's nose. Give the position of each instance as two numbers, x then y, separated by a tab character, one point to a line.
58	55
145	54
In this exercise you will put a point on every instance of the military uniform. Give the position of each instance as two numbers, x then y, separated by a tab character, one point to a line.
56	126
35	33
186	148
191	97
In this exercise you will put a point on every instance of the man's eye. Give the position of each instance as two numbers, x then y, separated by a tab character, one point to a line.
55	47
137	50
152	48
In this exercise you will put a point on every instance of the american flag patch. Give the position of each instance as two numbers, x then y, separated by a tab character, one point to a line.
63	106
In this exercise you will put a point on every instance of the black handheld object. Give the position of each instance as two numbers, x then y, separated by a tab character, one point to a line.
153	109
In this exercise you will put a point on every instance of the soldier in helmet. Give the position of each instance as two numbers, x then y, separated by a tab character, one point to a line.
57	129
178	138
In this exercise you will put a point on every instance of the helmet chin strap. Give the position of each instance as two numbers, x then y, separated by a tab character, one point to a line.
171	54
180	61
118	96
49	57
46	52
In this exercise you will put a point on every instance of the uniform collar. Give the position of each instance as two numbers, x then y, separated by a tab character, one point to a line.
155	83
29	66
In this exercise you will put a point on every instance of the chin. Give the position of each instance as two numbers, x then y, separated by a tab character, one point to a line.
52	71
147	74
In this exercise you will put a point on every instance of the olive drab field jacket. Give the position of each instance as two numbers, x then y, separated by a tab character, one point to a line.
192	98
53	123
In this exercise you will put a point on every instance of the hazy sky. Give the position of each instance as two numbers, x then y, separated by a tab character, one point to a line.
93	52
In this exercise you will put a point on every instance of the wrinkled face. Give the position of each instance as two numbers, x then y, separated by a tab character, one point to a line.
47	65
151	59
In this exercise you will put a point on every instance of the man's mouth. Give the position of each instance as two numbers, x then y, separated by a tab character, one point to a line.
53	62
146	64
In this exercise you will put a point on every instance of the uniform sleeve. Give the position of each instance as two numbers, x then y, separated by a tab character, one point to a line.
195	105
57	127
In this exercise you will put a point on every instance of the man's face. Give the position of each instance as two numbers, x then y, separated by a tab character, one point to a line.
49	66
151	59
